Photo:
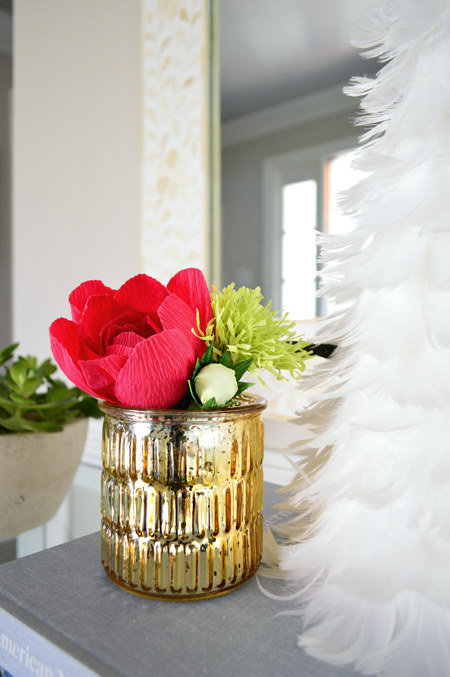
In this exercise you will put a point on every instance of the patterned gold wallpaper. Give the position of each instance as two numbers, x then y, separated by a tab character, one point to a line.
176	136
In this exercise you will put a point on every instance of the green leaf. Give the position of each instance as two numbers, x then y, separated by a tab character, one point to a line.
47	368
22	401
4	390
61	393
197	368
58	382
18	373
226	359
207	357
193	393
14	388
242	385
7	405
55	393
30	386
58	414
88	406
193	406
7	352
241	367
18	424
29	362
210	404
14	423
44	426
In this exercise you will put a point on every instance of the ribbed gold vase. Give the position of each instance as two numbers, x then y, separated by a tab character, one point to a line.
182	498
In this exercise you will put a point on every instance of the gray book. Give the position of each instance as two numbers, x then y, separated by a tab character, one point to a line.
61	616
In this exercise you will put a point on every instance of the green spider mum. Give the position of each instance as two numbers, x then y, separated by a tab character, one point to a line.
248	330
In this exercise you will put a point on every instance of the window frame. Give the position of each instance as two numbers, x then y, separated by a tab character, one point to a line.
278	171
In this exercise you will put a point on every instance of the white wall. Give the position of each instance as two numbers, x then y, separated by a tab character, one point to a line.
5	199
76	155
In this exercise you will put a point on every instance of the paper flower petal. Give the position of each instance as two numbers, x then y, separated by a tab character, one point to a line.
156	375
80	295
118	349
142	292
102	372
131	320
64	346
176	314
98	311
128	338
190	285
153	320
124	344
88	348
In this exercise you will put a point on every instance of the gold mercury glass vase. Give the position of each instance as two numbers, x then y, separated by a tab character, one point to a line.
182	498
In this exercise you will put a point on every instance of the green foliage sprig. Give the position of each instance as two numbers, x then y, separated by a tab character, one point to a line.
246	329
32	401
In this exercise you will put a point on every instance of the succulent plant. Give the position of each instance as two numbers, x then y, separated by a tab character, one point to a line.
32	401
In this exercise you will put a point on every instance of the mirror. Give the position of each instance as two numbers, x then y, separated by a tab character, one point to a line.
275	57
283	66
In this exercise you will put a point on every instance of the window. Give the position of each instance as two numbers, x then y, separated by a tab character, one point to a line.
298	249
301	192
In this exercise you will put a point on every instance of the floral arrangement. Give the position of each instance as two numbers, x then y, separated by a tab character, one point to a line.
152	346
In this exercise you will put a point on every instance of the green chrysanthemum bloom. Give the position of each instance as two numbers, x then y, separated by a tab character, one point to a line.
249	330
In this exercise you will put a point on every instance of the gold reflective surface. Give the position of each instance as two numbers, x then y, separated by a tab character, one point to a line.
182	498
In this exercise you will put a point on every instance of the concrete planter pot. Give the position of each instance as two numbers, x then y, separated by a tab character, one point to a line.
36	472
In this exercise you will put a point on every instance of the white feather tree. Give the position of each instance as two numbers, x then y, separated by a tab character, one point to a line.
374	564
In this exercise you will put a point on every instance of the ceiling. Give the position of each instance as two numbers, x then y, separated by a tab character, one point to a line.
275	50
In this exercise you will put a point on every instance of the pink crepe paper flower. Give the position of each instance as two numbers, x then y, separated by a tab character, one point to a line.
134	346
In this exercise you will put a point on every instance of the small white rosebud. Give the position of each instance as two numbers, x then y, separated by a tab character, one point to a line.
216	380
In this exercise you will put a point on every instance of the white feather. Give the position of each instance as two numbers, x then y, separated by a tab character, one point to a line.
368	555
